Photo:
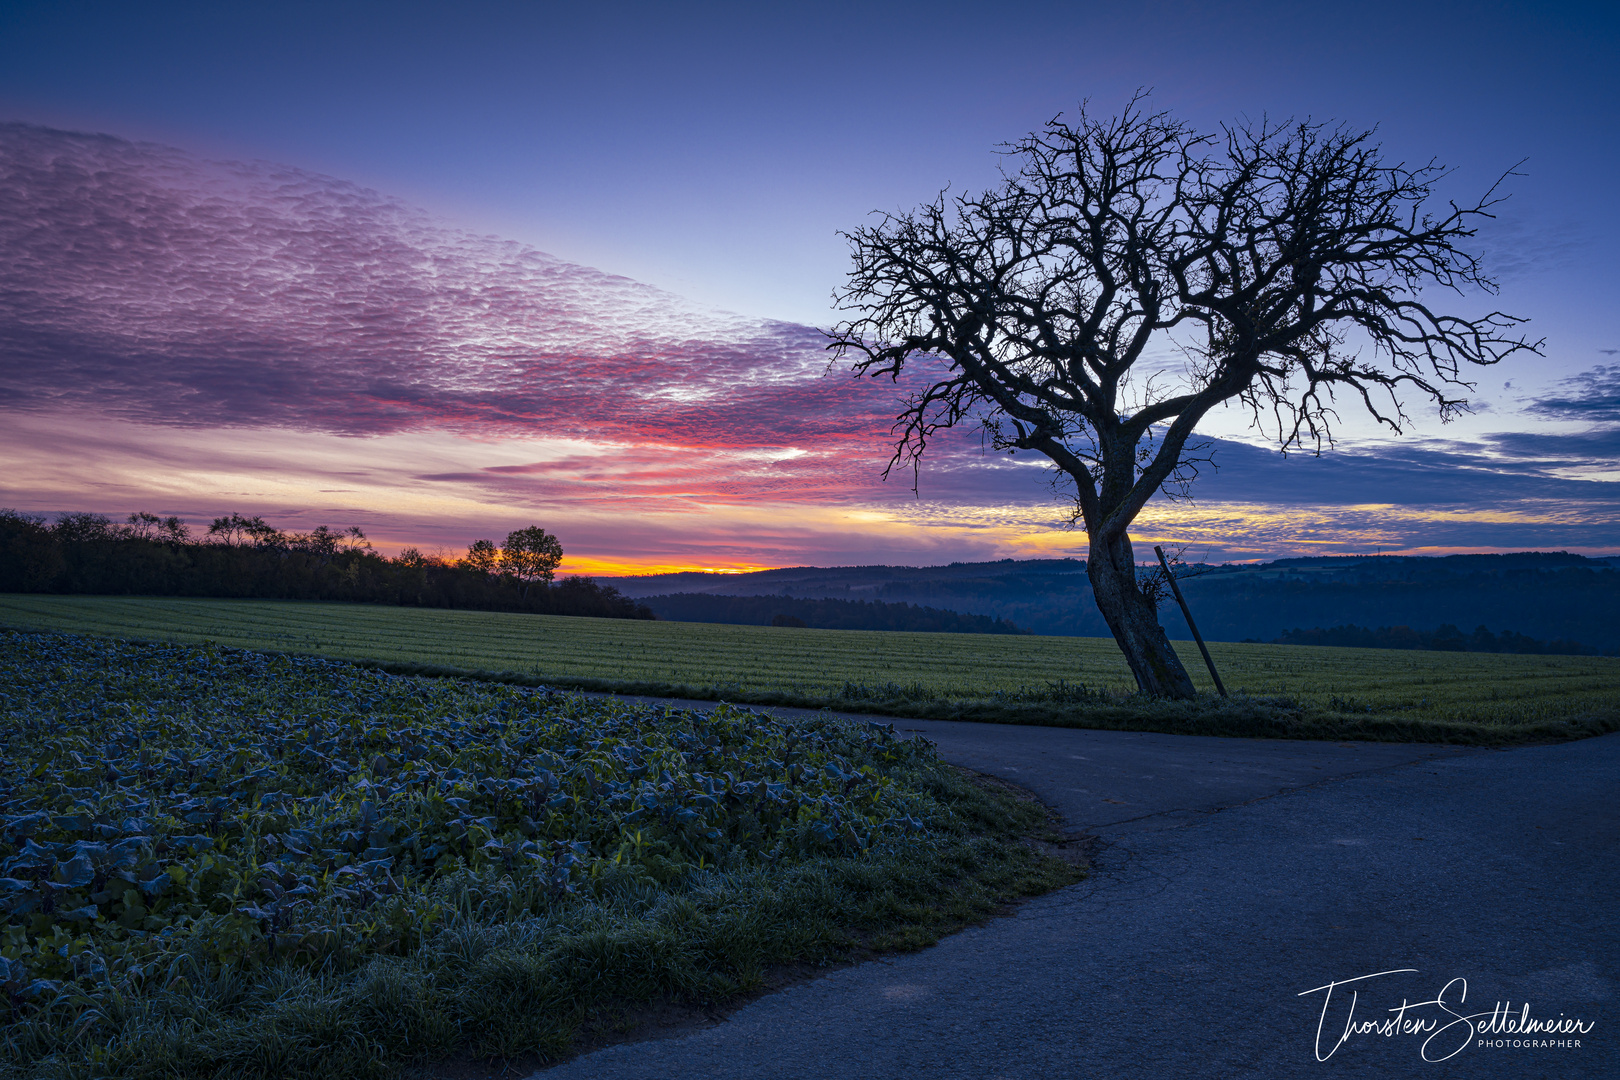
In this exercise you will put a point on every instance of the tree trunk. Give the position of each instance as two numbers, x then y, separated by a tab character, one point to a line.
1134	619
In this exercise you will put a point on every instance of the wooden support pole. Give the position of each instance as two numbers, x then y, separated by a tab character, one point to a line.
1187	611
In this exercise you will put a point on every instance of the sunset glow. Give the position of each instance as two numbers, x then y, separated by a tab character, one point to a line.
200	334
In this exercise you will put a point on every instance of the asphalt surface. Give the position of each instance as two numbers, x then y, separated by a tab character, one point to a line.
1234	880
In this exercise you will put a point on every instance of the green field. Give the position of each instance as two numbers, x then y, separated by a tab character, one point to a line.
1279	689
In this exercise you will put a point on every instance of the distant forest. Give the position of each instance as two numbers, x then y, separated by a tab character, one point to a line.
248	558
1545	597
822	614
1541	602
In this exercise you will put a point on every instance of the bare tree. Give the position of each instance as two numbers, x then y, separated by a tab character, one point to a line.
1281	264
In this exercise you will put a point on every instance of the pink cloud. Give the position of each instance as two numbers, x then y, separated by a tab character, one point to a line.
174	291
151	286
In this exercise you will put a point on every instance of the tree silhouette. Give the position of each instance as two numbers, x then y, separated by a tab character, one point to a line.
1283	264
237	531
144	526
482	556
531	555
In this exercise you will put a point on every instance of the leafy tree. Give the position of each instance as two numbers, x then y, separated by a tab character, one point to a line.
87	553
145	526
83	528
327	543
322	542
239	531
531	555
413	558
1284	264
482	557
30	555
418	559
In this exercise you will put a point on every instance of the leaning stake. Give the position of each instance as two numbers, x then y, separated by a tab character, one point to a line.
1187	611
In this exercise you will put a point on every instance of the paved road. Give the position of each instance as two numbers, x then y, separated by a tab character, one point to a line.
1234	874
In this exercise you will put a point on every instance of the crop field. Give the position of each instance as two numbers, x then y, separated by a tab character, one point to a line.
217	862
1279	689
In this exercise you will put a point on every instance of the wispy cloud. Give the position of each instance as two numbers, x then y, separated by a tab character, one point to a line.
1498	468
1592	396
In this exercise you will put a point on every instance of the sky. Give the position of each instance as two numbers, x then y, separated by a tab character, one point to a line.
444	271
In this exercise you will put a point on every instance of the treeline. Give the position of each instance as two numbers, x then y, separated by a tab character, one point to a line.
1541	595
248	558
1544	598
822	614
1446	638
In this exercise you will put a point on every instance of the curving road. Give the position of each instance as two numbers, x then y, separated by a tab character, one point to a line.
1231	875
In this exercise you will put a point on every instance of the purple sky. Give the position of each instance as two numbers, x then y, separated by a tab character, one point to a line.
443	271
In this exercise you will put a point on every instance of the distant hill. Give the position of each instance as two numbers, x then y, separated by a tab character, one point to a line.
1543	595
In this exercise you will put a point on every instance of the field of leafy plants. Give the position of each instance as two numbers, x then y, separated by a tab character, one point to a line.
216	862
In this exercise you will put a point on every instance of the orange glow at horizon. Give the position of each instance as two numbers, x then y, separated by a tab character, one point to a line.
438	492
590	567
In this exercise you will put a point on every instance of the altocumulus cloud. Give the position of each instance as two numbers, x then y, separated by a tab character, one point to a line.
166	290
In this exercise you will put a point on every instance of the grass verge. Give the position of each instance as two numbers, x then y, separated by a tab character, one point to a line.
225	863
1239	716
